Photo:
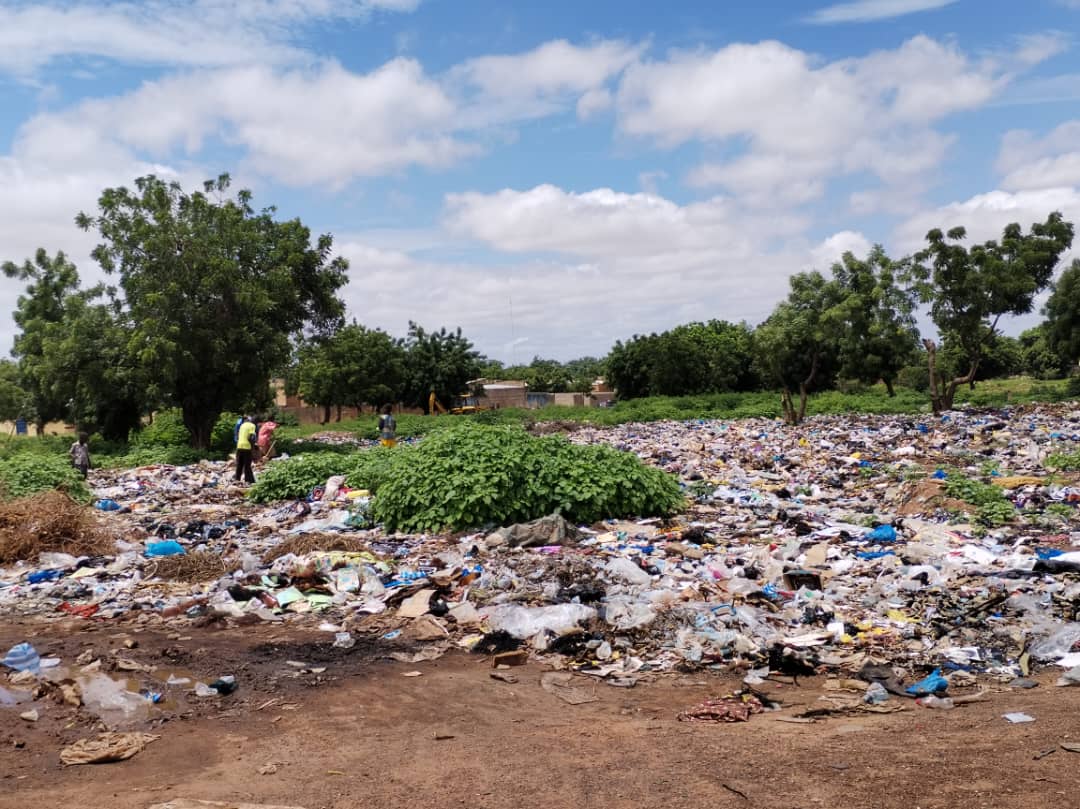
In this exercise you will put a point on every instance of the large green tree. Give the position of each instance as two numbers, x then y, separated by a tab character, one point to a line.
690	359
1062	313
874	319
969	290
355	366
797	348
14	401
441	361
50	282
214	289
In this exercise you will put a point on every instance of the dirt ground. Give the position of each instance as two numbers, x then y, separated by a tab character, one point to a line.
362	733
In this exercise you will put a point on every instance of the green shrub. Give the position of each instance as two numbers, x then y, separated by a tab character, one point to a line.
473	475
296	477
167	430
221	436
915	377
150	456
29	473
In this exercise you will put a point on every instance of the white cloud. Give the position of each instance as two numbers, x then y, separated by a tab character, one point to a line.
604	223
1029	162
870	114
873	10
832	249
324	126
545	80
986	215
195	33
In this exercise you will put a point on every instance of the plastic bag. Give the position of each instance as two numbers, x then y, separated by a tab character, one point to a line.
622	569
931	684
525	622
883	533
23	657
1058	644
168	548
624	613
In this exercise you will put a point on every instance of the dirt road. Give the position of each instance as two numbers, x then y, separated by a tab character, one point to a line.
352	730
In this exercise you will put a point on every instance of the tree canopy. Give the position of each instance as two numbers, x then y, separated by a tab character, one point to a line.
441	361
968	290
214	290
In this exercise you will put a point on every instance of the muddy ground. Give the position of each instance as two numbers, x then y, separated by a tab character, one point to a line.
362	733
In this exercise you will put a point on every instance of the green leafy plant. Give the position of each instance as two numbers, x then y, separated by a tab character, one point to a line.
167	430
26	474
473	475
296	477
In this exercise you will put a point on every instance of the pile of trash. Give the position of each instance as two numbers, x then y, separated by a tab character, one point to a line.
837	545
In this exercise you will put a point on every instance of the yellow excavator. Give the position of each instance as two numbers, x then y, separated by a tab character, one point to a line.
463	405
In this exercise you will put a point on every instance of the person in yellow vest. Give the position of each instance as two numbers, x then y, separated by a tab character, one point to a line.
244	438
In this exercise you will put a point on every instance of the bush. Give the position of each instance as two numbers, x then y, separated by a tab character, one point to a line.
221	436
466	475
474	475
167	430
150	456
29	473
916	377
296	477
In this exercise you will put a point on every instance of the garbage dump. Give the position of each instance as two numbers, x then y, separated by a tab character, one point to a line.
906	552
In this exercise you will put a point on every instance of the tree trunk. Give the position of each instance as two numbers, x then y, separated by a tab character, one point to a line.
803	396
338	413
325	414
935	383
790	416
889	386
199	419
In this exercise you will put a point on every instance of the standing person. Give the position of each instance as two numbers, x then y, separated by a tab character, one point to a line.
244	438
266	438
387	427
80	454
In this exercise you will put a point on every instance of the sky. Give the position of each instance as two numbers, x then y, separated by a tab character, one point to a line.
551	177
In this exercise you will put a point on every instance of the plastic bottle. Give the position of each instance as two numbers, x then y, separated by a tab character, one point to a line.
942	703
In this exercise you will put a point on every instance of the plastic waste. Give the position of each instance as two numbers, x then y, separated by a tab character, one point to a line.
525	622
875	694
344	640
39	576
623	570
167	548
107	505
883	533
933	683
23	657
941	703
1058	644
624	613
1071	677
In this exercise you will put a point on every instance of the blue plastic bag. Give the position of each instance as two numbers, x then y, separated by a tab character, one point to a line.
39	576
107	505
883	533
168	548
933	683
874	554
23	657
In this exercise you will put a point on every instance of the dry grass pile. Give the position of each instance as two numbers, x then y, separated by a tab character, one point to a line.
50	521
308	543
195	567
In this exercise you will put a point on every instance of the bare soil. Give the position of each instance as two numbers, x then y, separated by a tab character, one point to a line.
361	733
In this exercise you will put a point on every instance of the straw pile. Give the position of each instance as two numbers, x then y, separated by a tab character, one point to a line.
50	521
308	543
195	567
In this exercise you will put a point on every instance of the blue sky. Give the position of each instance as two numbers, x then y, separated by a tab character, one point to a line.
551	177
